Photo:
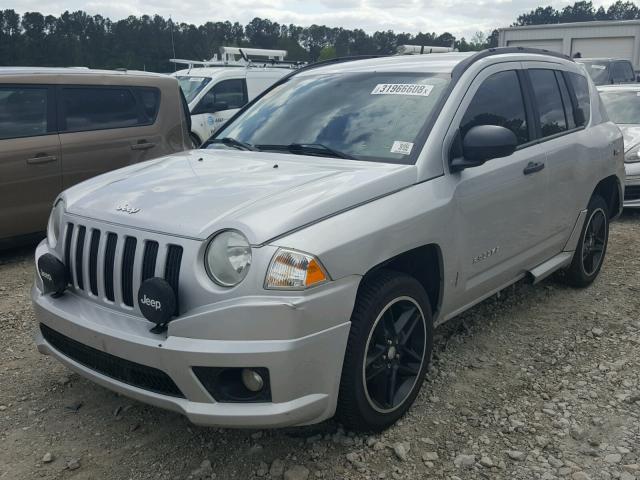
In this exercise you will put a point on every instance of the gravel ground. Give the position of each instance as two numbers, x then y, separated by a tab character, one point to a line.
539	382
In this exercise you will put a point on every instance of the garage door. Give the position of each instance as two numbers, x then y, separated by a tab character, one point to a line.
616	47
553	45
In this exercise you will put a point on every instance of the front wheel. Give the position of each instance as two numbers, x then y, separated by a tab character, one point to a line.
592	245
388	352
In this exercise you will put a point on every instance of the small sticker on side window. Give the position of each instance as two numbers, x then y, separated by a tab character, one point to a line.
402	147
412	89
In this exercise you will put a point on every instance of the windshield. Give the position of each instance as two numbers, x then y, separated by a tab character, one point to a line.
367	116
192	86
598	71
622	107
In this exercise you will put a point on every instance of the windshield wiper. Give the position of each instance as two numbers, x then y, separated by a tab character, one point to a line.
308	149
232	142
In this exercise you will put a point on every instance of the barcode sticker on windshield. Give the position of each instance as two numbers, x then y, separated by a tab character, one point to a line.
402	147
413	89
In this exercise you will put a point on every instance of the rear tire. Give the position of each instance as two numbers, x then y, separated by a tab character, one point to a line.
592	245
388	352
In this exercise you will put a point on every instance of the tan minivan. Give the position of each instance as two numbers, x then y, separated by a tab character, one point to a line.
59	126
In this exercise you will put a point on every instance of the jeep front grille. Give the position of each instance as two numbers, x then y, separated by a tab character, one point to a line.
111	266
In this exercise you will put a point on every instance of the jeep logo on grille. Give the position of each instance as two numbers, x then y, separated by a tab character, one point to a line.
151	303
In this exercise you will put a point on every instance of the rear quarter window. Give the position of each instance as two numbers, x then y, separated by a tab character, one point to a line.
580	87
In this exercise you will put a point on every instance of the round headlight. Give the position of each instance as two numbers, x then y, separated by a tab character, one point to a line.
55	223
228	258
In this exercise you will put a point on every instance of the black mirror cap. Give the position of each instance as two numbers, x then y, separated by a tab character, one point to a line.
485	142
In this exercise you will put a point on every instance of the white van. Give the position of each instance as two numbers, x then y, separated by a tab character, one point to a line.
215	90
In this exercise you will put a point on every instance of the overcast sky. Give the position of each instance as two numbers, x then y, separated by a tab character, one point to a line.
459	17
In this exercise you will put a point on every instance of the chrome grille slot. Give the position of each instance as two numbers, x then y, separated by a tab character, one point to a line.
172	269
110	267
67	251
79	257
128	257
149	260
109	260
93	261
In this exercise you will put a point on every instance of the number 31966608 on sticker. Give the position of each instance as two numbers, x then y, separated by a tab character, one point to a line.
413	89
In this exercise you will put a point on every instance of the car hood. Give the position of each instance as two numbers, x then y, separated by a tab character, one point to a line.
196	193
631	134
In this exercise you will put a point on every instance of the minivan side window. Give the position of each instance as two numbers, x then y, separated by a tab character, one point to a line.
498	101
232	93
23	112
87	108
546	92
581	90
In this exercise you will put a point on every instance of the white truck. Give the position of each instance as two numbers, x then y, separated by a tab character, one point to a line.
216	89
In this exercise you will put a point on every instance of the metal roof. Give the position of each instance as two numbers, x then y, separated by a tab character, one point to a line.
598	23
71	71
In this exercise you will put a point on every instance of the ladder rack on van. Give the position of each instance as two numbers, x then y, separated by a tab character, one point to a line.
242	57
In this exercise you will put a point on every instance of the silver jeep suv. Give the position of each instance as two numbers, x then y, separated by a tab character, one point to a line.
296	268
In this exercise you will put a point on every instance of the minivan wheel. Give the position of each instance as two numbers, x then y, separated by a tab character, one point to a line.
388	352
592	246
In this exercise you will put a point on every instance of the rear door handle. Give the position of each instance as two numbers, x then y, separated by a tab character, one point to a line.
142	145
533	167
41	158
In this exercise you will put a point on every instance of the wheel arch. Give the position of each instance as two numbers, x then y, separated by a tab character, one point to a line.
425	264
610	190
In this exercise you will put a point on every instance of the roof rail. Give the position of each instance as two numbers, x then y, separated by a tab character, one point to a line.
460	68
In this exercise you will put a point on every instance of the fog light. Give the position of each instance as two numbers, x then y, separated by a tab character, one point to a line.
252	380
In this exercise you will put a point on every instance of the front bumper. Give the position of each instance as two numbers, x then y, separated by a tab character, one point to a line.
304	372
632	185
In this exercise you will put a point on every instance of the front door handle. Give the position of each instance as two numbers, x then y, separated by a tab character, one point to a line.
142	145
41	158
533	167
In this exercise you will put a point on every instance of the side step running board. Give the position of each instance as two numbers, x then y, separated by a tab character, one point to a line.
542	271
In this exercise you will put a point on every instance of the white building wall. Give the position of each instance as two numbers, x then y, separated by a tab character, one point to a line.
618	38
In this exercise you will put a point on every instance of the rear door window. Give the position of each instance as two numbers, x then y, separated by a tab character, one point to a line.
88	108
23	112
548	99
498	101
580	88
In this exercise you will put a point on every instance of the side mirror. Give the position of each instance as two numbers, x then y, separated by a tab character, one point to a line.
482	143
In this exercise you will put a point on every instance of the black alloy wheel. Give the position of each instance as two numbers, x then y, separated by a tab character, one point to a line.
395	354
